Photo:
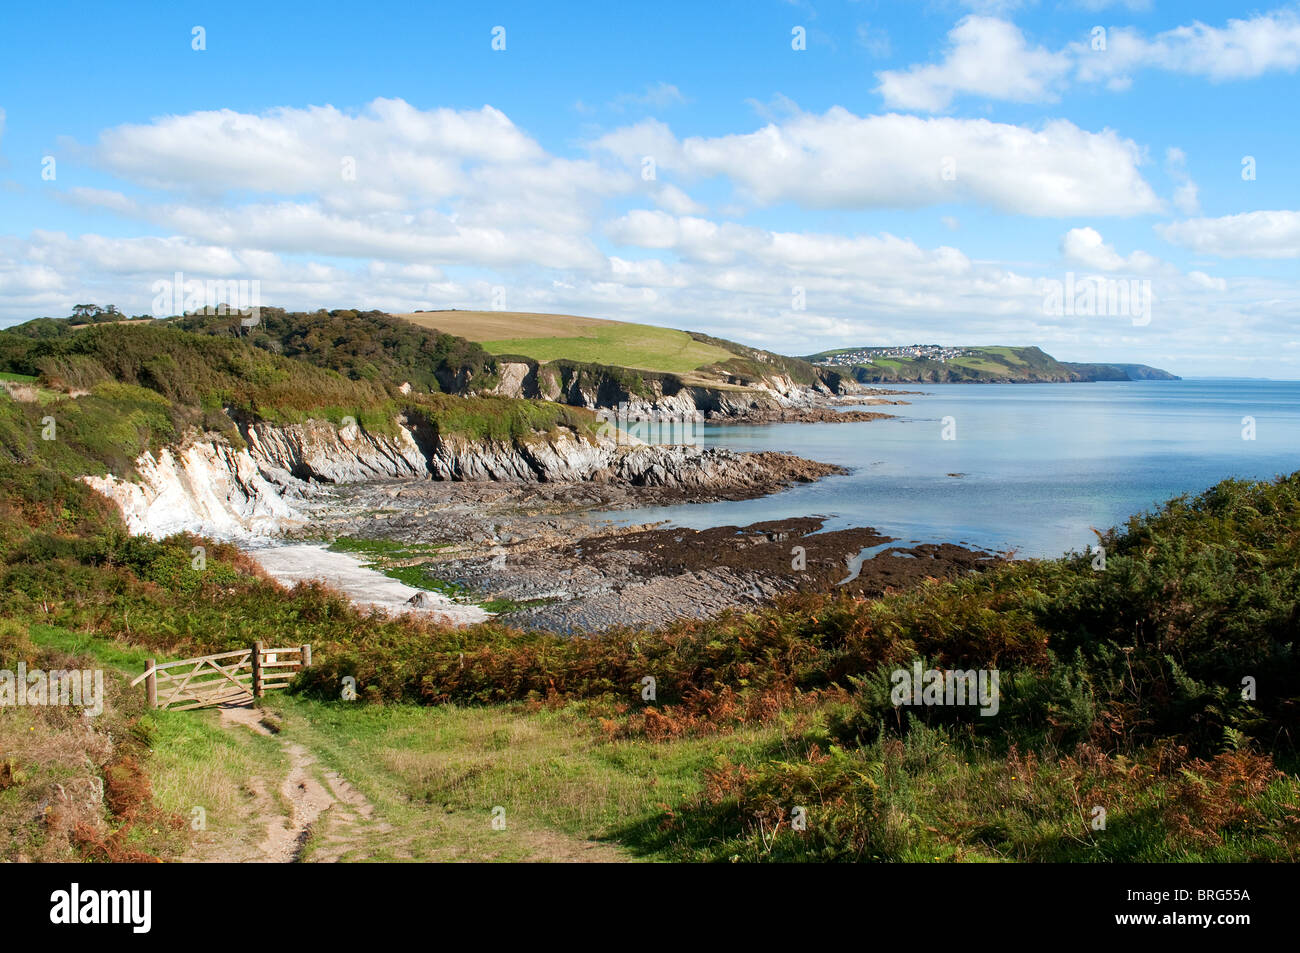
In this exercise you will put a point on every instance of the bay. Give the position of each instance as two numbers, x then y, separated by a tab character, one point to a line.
1033	467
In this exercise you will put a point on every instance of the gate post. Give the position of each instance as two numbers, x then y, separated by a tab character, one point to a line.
257	669
151	684
306	655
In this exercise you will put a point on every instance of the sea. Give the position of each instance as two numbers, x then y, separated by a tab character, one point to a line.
1031	469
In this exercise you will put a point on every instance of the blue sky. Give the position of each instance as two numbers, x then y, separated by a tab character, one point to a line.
919	172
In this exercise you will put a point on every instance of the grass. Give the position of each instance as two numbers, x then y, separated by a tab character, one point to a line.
197	763
503	419
435	775
397	561
982	364
569	790
504	606
190	759
83	779
1014	363
1010	355
546	337
128	658
385	548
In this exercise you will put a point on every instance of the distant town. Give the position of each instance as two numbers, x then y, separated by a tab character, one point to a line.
869	355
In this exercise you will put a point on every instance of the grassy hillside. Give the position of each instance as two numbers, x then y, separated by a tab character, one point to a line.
987	364
115	391
551	337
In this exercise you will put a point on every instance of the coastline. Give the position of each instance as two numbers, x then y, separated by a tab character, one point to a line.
460	527
537	556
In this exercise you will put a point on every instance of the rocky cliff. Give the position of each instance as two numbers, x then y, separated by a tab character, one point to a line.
605	388
282	475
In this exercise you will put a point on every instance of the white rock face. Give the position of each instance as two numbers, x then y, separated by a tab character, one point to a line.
317	450
207	488
514	376
274	486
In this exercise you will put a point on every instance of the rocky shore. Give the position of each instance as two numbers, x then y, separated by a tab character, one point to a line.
514	524
544	558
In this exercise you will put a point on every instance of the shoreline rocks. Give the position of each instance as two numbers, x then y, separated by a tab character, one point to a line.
282	480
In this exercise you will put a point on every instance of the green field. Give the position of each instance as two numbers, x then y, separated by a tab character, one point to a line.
552	337
997	362
981	363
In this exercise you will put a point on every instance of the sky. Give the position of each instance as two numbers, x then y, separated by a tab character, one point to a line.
1110	181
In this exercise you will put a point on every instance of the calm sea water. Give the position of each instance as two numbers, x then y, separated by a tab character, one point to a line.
1040	463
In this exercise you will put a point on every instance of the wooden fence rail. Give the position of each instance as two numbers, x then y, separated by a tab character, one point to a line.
222	679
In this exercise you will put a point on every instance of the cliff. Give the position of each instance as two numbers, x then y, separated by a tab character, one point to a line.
731	395
274	483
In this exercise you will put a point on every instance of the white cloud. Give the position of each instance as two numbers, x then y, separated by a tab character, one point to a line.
1186	195
307	228
1096	6
672	199
446	205
986	57
994	7
1264	234
1207	282
48	272
700	240
291	150
108	199
389	156
439	186
734	281
990	58
1085	246
842	160
1241	49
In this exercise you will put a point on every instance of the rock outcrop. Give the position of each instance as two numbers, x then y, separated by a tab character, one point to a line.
274	484
597	388
207	487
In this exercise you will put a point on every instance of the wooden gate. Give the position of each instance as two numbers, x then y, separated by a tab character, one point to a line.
228	678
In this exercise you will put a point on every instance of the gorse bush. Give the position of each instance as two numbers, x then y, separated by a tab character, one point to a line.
363	346
194	370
